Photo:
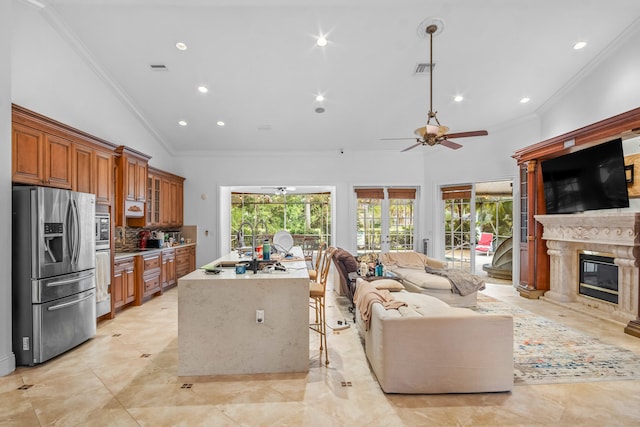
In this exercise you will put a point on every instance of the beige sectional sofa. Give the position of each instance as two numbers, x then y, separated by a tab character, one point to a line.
410	268
430	347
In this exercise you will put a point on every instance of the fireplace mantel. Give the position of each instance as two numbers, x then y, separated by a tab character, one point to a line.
607	228
614	233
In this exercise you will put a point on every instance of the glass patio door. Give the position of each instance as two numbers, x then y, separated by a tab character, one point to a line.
385	219
471	211
458	223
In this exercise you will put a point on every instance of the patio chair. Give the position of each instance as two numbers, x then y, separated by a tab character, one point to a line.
485	243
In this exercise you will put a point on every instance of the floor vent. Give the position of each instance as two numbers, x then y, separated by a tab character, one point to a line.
186	386
145	355
116	335
346	383
25	387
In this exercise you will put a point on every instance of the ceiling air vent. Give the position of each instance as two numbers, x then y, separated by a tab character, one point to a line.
159	67
423	68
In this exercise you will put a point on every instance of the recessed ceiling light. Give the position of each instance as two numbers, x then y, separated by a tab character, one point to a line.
458	98
322	41
524	100
203	89
182	123
181	46
220	123
579	45
319	98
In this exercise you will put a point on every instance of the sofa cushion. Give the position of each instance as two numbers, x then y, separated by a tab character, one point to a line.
388	284
392	260
423	279
418	305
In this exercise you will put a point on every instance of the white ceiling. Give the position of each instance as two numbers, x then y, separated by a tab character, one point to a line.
263	70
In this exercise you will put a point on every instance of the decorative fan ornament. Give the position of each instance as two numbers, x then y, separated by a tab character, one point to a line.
434	134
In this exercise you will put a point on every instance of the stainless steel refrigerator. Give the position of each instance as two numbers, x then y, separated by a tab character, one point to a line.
53	277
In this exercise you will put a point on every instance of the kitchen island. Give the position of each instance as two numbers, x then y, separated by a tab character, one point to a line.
218	328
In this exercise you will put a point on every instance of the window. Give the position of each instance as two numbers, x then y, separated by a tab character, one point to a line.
385	219
306	216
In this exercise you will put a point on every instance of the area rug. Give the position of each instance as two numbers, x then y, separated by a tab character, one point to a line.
547	352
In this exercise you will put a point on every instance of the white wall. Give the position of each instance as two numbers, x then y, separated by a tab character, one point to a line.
7	358
205	175
51	76
610	87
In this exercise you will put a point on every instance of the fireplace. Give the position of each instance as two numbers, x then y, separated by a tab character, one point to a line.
609	245
598	276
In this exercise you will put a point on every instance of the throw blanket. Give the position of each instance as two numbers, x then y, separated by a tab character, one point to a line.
462	283
366	295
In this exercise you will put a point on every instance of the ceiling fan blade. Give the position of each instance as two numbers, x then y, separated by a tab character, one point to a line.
395	139
413	146
450	144
468	134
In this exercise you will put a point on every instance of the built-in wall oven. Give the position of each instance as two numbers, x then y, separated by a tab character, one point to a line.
103	263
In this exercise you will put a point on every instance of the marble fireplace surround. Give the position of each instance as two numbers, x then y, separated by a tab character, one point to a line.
616	233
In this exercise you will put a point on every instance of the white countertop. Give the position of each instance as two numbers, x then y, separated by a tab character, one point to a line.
296	268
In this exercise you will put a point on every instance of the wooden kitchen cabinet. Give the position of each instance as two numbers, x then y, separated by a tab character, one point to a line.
185	260
149	272
27	155
40	159
131	186
168	273
165	204
123	285
154	213
83	178
135	177
58	155
93	173
103	168
46	152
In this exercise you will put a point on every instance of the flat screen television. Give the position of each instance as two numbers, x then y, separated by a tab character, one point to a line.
589	179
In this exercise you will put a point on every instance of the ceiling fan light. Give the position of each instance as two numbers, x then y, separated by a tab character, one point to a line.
432	129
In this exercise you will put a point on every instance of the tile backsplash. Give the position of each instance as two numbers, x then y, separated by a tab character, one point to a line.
128	238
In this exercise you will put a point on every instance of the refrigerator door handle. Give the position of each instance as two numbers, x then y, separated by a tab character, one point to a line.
66	282
67	304
74	231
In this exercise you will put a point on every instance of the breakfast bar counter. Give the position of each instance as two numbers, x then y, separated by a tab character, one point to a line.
218	328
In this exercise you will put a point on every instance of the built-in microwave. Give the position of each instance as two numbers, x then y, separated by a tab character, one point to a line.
103	228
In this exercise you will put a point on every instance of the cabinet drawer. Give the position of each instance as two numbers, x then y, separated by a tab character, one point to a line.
151	262
120	266
151	283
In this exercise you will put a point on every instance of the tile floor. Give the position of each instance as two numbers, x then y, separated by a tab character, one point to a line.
126	376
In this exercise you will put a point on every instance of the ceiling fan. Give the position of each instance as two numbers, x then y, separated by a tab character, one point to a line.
434	134
281	191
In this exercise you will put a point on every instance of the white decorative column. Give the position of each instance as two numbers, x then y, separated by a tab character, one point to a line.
614	233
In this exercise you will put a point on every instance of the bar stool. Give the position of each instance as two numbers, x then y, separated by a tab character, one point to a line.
317	291
313	273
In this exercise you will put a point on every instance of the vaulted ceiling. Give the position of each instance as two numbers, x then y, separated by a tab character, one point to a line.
263	69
